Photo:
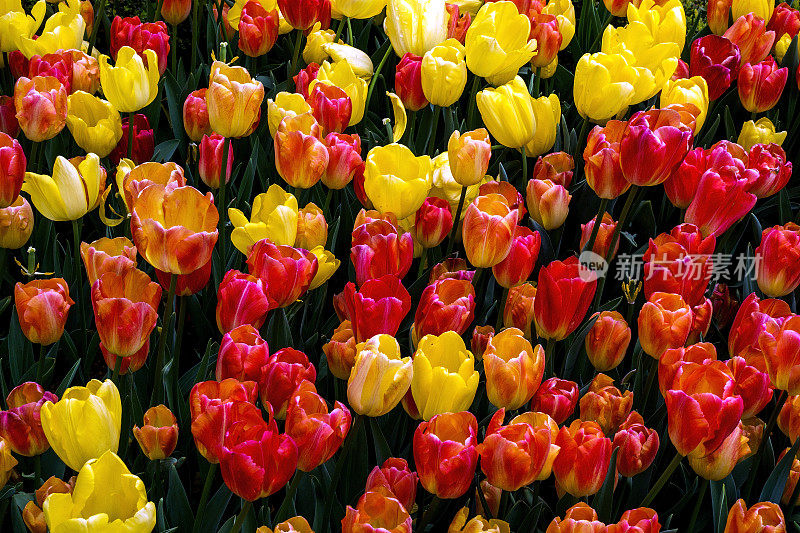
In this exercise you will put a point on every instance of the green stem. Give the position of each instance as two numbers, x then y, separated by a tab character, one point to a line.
176	355
157	14
456	221
349	31
339	30
174	50
326	206
473	102
223	210
600	34
596	227
212	469
117	367
97	21
375	75
158	386
296	54
40	366
662	480
423	263
537	80
246	506
337	473
283	511
614	239
704	487
195	17
549	350
524	166
130	135
434	126
33	161
76	243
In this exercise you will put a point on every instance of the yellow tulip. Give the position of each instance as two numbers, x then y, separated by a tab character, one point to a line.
445	379
94	123
233	99
15	24
7	462
274	216
62	31
74	189
604	86
359	61
547	110
130	86
477	524
107	498
400	117
343	76
415	26
445	186
395	180
327	265
692	90
759	8
356	9
313	52
469	155
564	12
497	42
285	105
668	20
379	378
762	131
781	47
84	423
507	112
444	73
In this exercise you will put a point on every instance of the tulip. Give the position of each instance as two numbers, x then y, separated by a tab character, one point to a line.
303	15
379	248
242	354
143	142
753	318
518	311
716	59
557	398
32	514
281	376
344	160
286	272
395	180
664	323
468	156
433	222
603	237
195	115
42	307
774	170
21	425
130	31
637	446
547	112
415	27
274	215
340	351
394	478
331	107
12	170
375	511
16	224
56	198
58	65
408	82
342	75
94	123
94	411
218	417
442	364
285	105
230	390
653	146
158	436
15	23
175	11
548	203
317	433
476	524
749	33
258	29
642	519
445	453
41	105
780	351
233	100
379	307
514	455
605	404
91	506
327	266
85	72
300	155
64	30
675	361
688	91
379	378
488	230
514	369
241	300
761	85
564	287
605	86
445	305
521	259
508	112
356	9
578	518
601	158
762	516
312	228
778	271
444	73
583	460
758	8
210	160
130	86
788	419
607	341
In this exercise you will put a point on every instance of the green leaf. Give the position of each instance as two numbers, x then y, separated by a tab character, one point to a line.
164	150
730	127
604	499
67	381
719	502
215	509
179	512
577	344
773	487
784	208
382	449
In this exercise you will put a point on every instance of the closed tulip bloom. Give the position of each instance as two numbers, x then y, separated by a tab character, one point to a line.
653	146
302	15
93	508
691	91
274	216
664	323
547	112
641	519
286	272
16	224
41	105
557	398
607	341
242	354
378	307
676	361
444	73
379	378
241	300
395	180
497	43
408	82
143	141
129	85
488	230
300	155
521	259
380	248
233	99
514	455
12	169
340	351
562	286
158	436
788	420
21	424
749	33
761	85
480	340
312	228
605	86
751	384
42	307
468	156
433	222
601	159
218	417
281	376
445	454
209	165
753	318
781	351
344	160
195	115
605	404
548	203
603	237
376	512
95	124
508	113
258	29
583	460
175	11
762	516
445	305
415	27
85	72
716	59
444	378
774	170
778	272
342	75
578	518
317	432
394	478
638	446
130	31
514	369
74	189
759	8
94	411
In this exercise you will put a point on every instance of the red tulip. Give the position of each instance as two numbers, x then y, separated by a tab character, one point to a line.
445	453
774	169
195	115
21	425
433	222
408	82
215	421
544	29
751	384
12	170
557	398
445	305
258	29
653	145
42	306
242	353
143	143
749	33
130	31
379	307
643	519
778	266
785	21
521	259
209	165
716	59
186	284
302	14
582	463
344	160
761	85
228	390
664	322
753	318
563	296
331	106
721	201
280	377
285	271
241	299
379	248
637	445
601	158
58	65
556	167
395	479
304	78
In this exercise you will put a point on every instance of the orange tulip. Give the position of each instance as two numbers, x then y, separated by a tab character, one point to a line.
158	436
514	369
312	228
42	307
376	511
132	182
287	272
675	361
607	340
664	322
488	230
340	351
300	154
16	224
782	355
548	203
605	404
518	311
41	104
108	255
760	517
468	156
580	518
583	461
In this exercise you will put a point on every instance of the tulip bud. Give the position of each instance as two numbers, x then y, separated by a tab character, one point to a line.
16	224
778	270
331	107
642	519
556	398
445	453
300	156
280	377
394	478
242	353
312	228
514	369
340	351
488	215
581	465
444	73
521	259
41	105
85	72
12	170
607	341
789	418
774	170
158	436
761	85
603	238
233	93
258	29
601	158
379	307
638	446
42	307
172	11
605	404
32	514
664	322
507	112
408	82
548	203
445	305
344	160
563	296
653	146
210	164
762	516
519	308
380	248
481	336
433	222
241	299
195	115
